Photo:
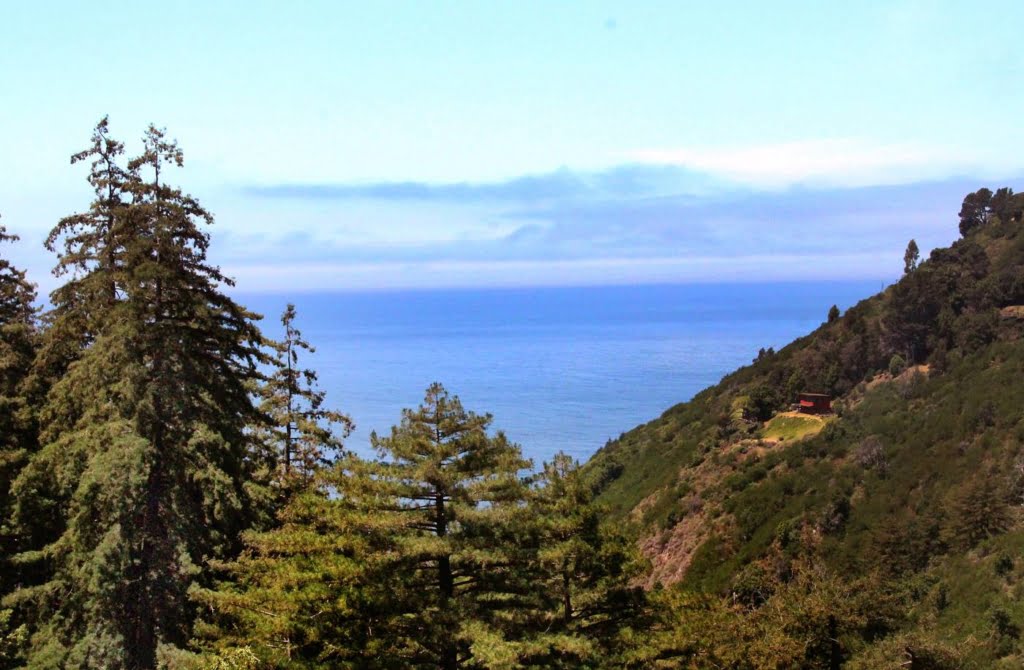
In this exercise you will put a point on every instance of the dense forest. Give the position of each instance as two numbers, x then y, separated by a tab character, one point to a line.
175	491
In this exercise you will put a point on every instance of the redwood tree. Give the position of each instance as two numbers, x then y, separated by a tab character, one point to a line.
18	338
145	456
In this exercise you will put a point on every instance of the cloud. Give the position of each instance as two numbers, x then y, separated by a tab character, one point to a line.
635	222
818	224
813	224
699	172
621	181
831	161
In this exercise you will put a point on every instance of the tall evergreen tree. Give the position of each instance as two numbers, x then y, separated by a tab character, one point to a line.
255	608
302	435
17	434
17	350
980	511
587	574
145	451
911	257
419	559
89	249
318	590
460	496
88	259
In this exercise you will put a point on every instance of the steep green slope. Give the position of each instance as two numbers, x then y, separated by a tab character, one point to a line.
919	478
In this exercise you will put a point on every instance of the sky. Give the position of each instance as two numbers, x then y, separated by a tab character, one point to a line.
350	146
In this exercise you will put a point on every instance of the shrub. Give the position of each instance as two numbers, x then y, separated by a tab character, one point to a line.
833	518
763	402
870	454
1004	565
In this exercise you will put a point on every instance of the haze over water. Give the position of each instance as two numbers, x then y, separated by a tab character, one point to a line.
559	368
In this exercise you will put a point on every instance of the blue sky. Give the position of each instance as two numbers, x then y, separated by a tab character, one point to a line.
399	144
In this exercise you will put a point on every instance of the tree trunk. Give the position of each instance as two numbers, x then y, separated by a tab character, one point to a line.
446	586
566	596
835	653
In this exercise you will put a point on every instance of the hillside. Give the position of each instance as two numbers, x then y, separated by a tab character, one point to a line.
917	479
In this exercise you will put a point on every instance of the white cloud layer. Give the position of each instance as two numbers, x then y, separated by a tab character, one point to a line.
845	162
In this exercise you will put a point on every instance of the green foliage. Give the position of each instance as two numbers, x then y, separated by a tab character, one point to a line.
459	495
300	434
18	340
974	212
586	572
911	257
897	365
764	400
980	512
235	659
166	504
144	468
310	592
812	619
916	485
437	554
915	650
12	640
792	427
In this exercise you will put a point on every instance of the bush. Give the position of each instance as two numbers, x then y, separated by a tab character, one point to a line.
870	454
834	516
1004	565
977	329
915	650
763	402
897	365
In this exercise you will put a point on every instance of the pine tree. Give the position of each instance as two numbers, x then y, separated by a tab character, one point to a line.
318	590
980	511
12	639
301	435
145	453
419	559
586	576
274	599
461	499
88	259
911	257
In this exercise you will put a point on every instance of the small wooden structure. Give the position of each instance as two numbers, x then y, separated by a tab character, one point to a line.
814	403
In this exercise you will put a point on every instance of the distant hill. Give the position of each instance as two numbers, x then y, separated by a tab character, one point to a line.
918	477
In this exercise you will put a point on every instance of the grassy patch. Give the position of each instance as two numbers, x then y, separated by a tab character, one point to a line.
791	426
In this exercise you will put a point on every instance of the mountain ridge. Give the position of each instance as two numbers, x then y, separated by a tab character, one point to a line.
920	469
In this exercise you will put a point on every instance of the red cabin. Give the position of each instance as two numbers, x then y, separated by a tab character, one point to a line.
815	403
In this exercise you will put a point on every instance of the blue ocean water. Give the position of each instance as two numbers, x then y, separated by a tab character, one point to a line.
559	368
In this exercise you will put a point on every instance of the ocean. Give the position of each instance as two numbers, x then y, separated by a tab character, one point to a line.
560	369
